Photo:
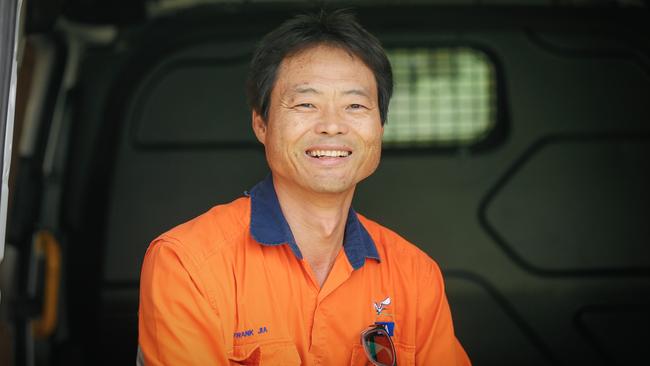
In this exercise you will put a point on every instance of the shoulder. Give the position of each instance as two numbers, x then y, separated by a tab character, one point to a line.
218	230
395	249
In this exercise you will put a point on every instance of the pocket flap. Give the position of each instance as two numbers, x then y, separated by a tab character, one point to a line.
276	353
405	355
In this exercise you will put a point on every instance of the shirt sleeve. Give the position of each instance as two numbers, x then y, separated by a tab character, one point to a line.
436	342
177	323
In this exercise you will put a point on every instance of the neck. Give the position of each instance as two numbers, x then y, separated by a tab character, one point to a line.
317	221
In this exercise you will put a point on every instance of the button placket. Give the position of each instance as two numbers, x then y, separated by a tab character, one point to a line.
318	336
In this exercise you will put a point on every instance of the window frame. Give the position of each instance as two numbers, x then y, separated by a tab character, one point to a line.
494	137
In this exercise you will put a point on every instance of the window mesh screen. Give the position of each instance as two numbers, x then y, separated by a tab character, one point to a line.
442	97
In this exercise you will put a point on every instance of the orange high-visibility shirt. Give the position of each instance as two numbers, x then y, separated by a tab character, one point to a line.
231	287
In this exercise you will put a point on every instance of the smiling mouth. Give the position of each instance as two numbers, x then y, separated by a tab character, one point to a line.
328	153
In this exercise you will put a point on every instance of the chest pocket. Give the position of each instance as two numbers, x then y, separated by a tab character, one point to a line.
405	355
276	353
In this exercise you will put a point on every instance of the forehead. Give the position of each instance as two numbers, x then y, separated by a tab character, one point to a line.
324	66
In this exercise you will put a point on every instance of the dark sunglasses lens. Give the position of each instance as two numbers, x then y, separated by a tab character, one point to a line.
379	348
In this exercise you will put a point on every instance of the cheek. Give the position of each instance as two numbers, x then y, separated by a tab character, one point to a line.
376	154
377	147
281	145
374	140
373	151
273	145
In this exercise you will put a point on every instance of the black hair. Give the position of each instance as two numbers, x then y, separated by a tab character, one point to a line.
339	29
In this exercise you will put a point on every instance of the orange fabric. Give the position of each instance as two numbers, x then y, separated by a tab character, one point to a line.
211	295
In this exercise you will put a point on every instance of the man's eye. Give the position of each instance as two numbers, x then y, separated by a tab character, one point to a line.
356	106
305	105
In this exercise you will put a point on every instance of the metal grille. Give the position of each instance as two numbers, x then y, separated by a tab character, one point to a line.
442	97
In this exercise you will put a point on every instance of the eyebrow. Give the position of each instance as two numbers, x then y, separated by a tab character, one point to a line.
310	90
359	92
306	90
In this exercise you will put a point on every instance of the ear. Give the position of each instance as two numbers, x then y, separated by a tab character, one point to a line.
259	127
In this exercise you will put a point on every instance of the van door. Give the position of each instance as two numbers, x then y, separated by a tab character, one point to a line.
9	30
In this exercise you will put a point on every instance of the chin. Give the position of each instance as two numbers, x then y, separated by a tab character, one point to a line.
330	186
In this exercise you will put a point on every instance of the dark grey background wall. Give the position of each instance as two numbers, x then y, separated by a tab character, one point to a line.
541	232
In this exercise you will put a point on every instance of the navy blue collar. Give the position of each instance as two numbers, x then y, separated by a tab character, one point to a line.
269	227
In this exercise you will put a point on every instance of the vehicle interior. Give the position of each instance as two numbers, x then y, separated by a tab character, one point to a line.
516	154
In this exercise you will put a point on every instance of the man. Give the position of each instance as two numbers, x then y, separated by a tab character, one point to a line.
291	274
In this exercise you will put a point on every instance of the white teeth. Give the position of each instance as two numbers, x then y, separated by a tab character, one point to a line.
328	153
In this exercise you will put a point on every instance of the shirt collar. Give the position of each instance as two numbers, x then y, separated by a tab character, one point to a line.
269	227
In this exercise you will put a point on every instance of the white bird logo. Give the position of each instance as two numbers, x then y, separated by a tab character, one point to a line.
379	306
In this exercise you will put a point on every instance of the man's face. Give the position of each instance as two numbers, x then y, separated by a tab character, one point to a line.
323	132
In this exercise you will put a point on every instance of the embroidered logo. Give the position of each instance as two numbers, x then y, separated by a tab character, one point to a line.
380	306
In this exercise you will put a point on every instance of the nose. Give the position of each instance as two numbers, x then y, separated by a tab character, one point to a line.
331	123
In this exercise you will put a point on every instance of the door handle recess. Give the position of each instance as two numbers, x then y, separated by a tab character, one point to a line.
47	246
